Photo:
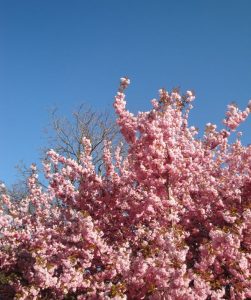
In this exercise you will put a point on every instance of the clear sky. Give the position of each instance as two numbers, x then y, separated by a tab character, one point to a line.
60	53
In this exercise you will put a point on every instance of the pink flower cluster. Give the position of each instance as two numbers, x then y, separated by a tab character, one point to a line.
171	220
235	116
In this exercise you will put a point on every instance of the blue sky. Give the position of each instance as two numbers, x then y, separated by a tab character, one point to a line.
58	53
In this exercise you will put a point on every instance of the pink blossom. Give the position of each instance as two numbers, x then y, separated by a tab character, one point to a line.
170	220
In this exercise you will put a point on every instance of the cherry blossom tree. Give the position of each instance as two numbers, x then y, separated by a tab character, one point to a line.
171	220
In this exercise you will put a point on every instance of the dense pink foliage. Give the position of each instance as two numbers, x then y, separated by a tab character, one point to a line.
171	220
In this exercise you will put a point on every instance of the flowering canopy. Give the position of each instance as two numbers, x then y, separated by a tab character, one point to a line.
171	220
